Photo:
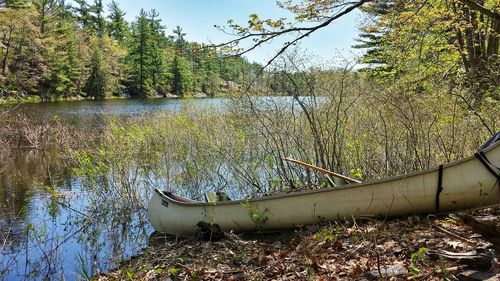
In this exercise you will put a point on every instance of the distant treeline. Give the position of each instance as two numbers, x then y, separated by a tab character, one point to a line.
55	50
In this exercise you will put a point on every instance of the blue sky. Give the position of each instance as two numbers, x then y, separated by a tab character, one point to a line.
198	17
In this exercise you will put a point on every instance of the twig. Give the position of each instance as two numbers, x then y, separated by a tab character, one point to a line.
453	235
439	271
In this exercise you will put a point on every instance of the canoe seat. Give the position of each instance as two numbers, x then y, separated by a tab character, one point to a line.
212	197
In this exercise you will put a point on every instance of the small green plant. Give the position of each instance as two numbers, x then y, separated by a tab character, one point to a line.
259	218
325	234
173	272
417	259
130	273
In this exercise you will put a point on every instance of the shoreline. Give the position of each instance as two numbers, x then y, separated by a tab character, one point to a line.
401	249
15	101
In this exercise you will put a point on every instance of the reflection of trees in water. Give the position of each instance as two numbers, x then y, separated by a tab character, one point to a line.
24	174
47	230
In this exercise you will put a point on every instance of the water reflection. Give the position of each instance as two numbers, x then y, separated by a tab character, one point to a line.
47	231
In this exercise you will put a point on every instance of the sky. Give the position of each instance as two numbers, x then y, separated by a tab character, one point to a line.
198	17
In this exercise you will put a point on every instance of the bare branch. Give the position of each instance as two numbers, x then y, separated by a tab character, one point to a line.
475	6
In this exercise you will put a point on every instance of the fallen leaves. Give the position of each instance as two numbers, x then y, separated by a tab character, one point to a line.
338	251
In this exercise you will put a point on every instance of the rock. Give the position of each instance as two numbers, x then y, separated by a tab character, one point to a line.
387	272
230	85
201	95
170	96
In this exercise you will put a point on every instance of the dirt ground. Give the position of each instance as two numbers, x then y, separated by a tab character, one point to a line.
455	247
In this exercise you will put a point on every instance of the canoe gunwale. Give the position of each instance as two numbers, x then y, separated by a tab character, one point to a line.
190	203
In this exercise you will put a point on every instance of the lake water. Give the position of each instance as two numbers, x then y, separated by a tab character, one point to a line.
44	230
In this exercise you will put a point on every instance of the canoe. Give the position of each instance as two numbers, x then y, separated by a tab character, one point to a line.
469	183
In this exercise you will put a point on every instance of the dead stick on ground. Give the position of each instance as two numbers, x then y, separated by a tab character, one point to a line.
453	235
439	271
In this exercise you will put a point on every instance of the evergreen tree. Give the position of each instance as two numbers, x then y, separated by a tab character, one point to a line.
139	58
182	77
82	13
47	12
117	27
180	42
64	61
97	81
156	45
14	4
373	36
98	23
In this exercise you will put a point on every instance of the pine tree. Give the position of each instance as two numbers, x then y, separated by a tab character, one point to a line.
47	12
117	27
64	60
14	4
97	81
182	77
139	58
180	42
98	26
156	45
372	38
82	12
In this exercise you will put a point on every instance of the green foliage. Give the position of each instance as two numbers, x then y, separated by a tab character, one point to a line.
118	28
417	258
325	234
97	82
48	49
182	78
173	272
259	218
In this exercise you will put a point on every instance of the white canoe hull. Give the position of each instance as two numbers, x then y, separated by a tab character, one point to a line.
467	184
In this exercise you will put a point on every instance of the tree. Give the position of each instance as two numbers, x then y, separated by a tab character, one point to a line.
22	66
98	23
118	28
157	46
180	42
96	85
47	11
139	59
82	13
14	4
423	39
182	78
65	62
372	37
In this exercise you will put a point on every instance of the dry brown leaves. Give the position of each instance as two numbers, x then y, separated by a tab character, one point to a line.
338	251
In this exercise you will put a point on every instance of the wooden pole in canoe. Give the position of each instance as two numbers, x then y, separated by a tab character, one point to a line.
321	170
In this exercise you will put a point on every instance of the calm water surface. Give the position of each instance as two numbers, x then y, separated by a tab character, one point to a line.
44	230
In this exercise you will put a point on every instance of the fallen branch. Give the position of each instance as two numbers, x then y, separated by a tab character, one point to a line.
438	228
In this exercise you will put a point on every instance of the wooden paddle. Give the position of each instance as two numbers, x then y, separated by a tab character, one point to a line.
321	170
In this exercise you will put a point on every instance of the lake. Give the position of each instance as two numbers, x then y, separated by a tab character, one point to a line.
45	233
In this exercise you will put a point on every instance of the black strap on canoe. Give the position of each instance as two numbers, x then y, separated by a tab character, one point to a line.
440	186
488	165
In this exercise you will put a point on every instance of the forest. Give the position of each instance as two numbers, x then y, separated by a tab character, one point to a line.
51	50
